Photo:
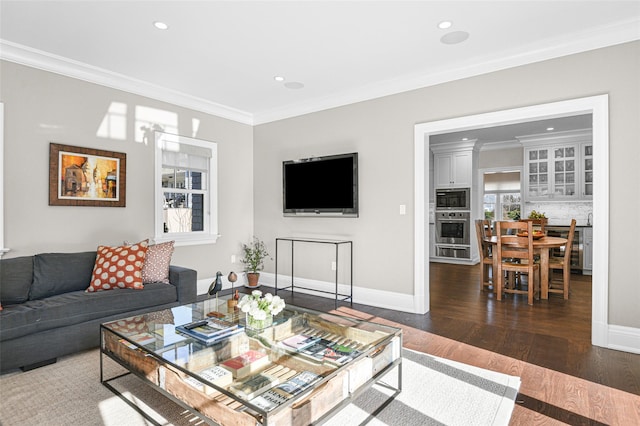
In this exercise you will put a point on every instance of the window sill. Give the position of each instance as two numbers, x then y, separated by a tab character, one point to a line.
181	240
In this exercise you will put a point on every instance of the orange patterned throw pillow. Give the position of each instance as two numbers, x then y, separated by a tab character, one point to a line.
119	267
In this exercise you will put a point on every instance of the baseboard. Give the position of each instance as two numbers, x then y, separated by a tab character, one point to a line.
625	339
365	296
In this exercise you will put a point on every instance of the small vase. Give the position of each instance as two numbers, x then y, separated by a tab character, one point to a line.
256	324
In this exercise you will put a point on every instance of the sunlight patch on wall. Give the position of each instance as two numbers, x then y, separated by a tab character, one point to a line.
150	120
195	125
114	123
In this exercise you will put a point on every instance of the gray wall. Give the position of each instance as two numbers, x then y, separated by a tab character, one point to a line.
42	107
381	130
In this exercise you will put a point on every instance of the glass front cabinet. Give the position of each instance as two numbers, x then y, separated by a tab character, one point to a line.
558	166
586	150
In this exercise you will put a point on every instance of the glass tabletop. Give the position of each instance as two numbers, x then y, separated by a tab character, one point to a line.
302	348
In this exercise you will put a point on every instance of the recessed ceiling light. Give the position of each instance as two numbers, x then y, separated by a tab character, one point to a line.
160	25
278	78
293	85
550	129
445	24
454	37
465	139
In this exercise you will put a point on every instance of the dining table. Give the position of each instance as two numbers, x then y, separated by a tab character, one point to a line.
541	246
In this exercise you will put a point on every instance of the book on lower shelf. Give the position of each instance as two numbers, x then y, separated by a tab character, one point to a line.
216	375
299	341
330	351
247	363
283	392
254	385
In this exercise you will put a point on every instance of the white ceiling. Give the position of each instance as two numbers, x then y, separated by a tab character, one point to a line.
221	56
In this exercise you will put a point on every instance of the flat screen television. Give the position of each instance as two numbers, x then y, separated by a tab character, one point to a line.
321	186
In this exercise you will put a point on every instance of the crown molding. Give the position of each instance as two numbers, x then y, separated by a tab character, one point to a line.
35	58
621	32
546	49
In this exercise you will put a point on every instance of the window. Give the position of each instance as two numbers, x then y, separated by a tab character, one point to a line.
502	199
186	189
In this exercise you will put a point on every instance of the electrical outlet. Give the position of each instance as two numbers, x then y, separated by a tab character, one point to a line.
333	266
403	209
233	258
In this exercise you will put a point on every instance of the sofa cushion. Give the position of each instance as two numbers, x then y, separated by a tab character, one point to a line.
58	273
79	306
156	263
15	279
119	267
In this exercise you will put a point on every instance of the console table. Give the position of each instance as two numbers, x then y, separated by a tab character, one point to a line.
337	244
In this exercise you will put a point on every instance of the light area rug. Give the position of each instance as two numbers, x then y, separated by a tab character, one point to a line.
435	391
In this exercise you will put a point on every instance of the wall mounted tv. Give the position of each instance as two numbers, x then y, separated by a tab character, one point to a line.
321	186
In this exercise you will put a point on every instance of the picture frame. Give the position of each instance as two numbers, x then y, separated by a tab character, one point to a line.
81	176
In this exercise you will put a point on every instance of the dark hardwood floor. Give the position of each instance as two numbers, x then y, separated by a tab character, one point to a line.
554	333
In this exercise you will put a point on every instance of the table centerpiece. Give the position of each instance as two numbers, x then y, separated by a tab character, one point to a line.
260	309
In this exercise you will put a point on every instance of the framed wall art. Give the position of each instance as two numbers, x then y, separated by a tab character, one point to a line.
86	177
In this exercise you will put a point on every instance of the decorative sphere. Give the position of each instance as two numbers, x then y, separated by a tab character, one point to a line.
232	277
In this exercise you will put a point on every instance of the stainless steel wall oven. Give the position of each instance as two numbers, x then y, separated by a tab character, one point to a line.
453	227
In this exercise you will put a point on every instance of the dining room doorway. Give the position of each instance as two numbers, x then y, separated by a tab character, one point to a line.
595	105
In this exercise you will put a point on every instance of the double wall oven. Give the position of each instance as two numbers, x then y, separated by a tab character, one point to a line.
453	223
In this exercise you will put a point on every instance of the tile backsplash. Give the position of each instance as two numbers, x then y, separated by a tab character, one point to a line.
562	213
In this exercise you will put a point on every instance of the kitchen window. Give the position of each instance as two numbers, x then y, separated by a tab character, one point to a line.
186	190
502	199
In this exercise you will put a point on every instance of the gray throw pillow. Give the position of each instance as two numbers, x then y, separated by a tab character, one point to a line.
58	273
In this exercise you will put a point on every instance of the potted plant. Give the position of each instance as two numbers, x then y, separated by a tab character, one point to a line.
254	254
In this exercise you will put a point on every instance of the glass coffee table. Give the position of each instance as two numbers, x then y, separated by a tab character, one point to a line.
300	370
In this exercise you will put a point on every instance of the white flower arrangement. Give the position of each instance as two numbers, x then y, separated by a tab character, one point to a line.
259	306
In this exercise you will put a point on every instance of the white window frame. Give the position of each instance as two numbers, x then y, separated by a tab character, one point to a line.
498	203
209	234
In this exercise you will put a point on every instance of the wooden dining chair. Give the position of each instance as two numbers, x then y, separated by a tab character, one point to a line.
483	230
564	264
515	254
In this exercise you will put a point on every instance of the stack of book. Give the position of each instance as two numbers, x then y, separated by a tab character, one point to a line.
246	364
281	393
210	331
323	348
217	375
254	385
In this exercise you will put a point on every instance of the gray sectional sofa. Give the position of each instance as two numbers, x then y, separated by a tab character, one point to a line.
47	313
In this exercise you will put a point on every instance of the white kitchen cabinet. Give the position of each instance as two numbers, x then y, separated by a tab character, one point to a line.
453	169
556	166
537	173
586	161
587	254
564	164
